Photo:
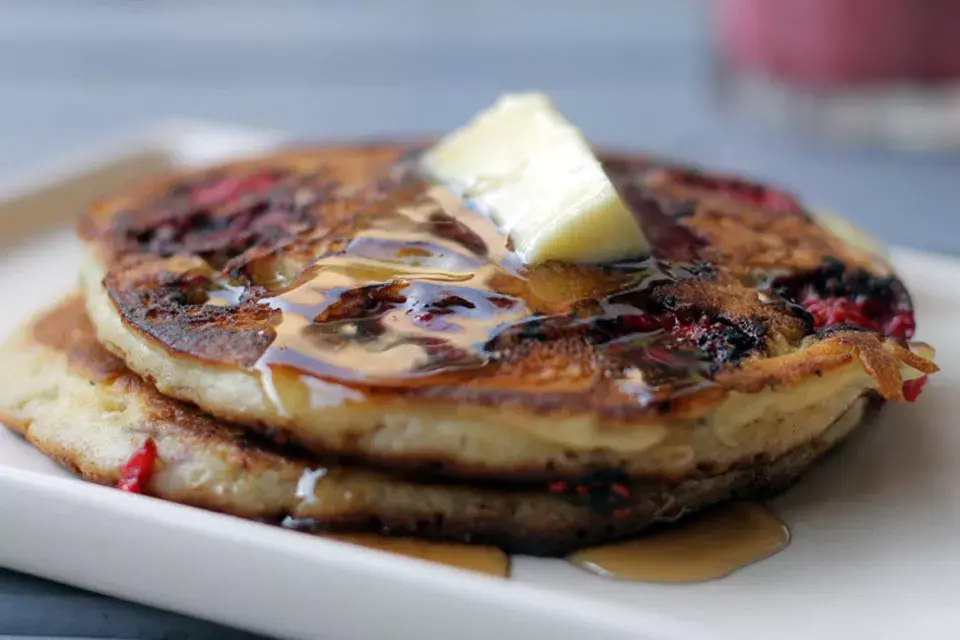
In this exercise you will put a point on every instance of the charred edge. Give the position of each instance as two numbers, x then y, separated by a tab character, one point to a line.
221	217
826	332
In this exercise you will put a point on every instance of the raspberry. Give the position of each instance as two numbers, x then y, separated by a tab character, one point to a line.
827	312
643	323
740	190
557	487
830	311
720	341
901	325
136	473
228	190
912	388
607	492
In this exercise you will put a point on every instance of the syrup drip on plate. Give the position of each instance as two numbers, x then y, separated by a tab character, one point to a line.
706	547
486	560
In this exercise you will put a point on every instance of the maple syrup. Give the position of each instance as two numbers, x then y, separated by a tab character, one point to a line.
706	547
486	560
409	286
422	287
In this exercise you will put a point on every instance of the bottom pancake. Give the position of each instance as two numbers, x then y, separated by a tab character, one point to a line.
76	403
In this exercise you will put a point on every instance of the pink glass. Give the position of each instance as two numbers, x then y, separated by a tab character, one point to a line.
879	69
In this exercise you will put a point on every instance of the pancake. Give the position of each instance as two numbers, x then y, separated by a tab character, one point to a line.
79	405
332	298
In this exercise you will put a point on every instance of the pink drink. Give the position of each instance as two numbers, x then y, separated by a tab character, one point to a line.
851	51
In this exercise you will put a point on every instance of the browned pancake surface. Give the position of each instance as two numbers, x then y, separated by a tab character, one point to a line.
343	264
77	404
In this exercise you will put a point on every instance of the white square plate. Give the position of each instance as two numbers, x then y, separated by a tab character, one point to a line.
875	551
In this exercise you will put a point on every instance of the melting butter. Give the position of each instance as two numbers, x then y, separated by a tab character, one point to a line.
533	172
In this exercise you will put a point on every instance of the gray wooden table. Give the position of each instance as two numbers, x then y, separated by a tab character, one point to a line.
631	73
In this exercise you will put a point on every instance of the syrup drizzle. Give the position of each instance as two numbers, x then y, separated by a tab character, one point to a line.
424	286
416	289
709	546
479	559
411	283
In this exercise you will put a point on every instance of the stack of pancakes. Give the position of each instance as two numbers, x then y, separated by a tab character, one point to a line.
323	339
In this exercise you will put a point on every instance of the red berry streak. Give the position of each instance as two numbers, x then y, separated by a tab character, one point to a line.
136	473
912	388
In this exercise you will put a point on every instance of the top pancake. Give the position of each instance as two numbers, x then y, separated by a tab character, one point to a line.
333	297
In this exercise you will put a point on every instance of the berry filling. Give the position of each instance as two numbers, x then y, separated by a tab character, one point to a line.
136	472
221	217
743	191
719	341
834	295
229	190
912	388
607	492
833	311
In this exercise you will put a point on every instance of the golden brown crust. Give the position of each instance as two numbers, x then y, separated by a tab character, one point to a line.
748	235
69	330
90	423
333	299
734	242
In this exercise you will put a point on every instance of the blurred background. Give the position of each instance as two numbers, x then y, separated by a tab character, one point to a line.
855	103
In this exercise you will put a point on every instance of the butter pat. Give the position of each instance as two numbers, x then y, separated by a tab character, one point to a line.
524	165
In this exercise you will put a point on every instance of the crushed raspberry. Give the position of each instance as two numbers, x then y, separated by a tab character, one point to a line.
721	341
830	311
229	190
740	190
607	492
620	489
645	323
700	329
432	321
136	473
901	325
834	294
912	388
557	487
779	201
